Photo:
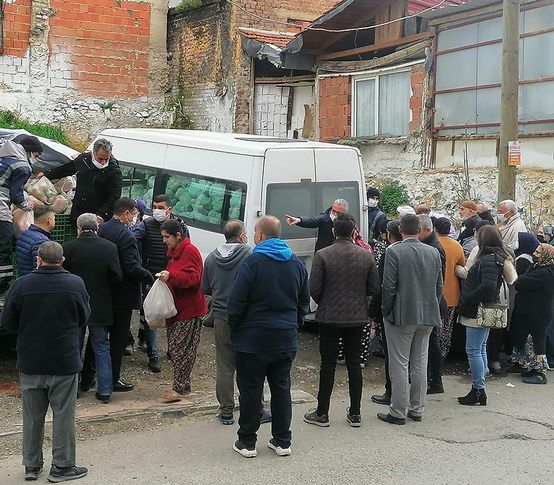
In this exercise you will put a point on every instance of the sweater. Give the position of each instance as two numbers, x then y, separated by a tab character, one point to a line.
185	276
47	309
26	248
454	257
342	277
220	269
268	299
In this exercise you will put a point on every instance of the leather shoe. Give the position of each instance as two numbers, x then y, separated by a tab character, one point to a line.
122	386
87	384
414	417
381	398
154	364
387	418
104	398
434	389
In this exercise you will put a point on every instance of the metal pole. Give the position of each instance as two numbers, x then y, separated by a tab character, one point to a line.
509	97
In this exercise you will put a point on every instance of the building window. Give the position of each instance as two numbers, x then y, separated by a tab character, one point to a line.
382	104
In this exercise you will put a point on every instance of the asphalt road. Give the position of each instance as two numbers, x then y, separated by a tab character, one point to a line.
509	441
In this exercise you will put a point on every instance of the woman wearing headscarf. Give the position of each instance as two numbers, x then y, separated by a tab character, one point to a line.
482	285
533	309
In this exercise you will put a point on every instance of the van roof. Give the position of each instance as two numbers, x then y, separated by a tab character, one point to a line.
225	142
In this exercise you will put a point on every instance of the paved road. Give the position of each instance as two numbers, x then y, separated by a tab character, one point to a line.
509	441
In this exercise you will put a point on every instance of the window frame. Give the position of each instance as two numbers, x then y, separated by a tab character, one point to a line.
376	75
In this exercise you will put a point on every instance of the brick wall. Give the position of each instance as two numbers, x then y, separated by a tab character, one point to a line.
100	47
17	25
416	100
334	108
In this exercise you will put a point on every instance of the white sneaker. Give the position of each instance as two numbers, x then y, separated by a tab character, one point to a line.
277	449
242	450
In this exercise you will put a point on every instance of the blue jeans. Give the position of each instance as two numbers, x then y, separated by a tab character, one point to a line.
476	349
150	337
101	348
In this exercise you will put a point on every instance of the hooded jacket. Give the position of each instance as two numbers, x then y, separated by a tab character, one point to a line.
268	299
14	173
220	269
97	189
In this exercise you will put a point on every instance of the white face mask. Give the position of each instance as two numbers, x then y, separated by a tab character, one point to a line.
159	214
332	216
32	160
99	165
372	202
135	220
501	218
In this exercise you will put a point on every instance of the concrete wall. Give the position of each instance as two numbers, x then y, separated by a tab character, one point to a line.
68	61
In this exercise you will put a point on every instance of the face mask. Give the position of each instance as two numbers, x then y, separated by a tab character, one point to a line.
33	160
99	165
372	202
332	216
159	214
501	218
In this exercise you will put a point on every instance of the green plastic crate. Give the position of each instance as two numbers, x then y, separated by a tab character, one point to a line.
64	230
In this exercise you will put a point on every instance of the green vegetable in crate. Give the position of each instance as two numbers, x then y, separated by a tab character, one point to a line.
137	191
195	189
173	184
151	181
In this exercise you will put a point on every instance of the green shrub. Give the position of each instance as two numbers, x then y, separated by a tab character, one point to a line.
12	121
188	5
393	194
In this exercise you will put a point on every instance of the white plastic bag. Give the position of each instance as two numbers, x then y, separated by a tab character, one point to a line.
43	190
21	221
159	305
60	204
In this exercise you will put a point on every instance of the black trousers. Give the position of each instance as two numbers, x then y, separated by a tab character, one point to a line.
388	385
6	249
119	335
536	328
329	350
434	364
252	370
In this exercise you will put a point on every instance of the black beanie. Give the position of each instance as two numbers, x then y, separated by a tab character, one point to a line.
373	192
31	144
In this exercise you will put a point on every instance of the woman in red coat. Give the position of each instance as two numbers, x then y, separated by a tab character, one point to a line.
183	276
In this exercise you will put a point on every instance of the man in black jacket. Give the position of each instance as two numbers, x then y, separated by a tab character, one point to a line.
47	309
375	216
99	181
96	261
323	222
128	294
154	259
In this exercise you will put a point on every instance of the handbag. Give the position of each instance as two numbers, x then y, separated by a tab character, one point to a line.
494	315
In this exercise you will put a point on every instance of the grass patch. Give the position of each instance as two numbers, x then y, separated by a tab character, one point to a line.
12	121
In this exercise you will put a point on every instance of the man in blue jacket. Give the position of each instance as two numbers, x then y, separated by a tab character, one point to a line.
47	309
29	241
269	297
323	222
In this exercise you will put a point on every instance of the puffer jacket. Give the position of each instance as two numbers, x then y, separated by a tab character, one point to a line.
27	246
483	282
14	173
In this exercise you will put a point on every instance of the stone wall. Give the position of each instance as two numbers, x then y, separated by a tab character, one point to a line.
85	65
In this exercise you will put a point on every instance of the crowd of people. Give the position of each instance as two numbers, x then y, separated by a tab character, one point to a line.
418	278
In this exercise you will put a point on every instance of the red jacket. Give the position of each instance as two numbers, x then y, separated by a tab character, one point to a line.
185	276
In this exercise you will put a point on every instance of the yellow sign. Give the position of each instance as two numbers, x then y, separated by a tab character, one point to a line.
514	153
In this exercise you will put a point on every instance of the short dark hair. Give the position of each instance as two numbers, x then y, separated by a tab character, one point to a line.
343	225
172	227
124	204
409	225
163	199
392	229
42	211
233	229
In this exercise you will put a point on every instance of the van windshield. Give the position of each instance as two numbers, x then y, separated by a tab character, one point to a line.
309	199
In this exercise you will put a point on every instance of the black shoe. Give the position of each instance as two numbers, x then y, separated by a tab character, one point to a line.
414	417
87	384
246	451
104	398
128	350
122	386
311	417
435	389
63	474
381	398
32	472
475	396
516	369
387	418
265	417
354	420
154	364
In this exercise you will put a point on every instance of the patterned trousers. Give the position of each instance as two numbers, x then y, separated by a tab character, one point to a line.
445	331
183	338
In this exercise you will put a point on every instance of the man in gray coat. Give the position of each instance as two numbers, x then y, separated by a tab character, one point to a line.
343	276
220	268
412	289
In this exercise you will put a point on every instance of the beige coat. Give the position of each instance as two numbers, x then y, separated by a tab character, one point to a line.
513	226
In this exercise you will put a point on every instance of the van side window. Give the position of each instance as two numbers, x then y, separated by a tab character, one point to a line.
206	202
138	182
308	199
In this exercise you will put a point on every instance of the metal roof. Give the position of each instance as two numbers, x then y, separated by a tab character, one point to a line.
466	7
